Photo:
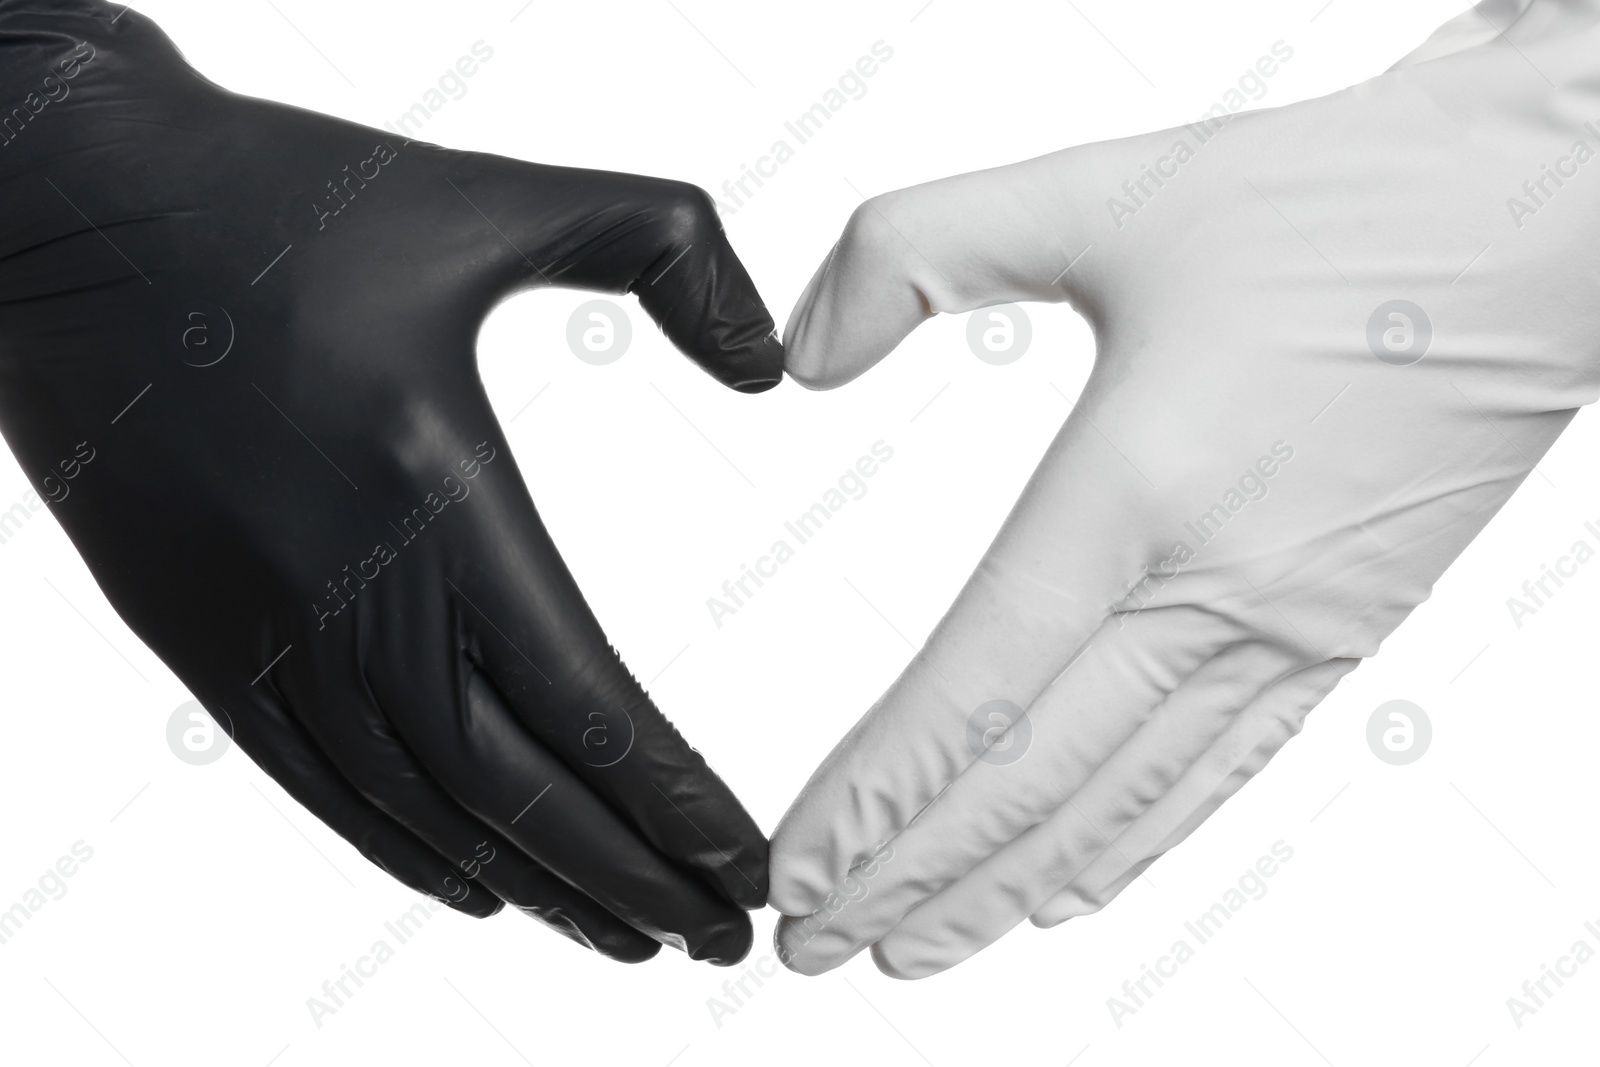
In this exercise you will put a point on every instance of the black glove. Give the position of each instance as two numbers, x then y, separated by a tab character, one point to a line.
237	356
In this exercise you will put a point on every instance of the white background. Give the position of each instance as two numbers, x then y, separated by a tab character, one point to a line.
1417	900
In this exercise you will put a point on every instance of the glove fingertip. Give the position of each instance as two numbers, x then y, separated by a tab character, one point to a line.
903	967
753	369
750	897
614	940
728	945
476	905
808	947
629	953
797	882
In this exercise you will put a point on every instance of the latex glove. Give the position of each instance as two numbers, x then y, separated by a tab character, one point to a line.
321	529
1249	495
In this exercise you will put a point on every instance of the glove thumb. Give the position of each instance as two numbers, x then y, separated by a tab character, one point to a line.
528	224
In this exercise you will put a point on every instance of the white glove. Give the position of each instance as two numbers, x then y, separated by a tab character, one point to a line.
1272	462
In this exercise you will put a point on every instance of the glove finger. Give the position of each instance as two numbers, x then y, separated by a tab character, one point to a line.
363	745
455	722
550	660
280	747
1068	553
1170	822
1188	751
1090	892
528	224
1029	769
578	835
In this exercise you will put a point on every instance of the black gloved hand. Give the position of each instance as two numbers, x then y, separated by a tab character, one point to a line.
260	324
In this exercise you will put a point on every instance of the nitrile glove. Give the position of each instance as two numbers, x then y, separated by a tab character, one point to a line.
261	322
1333	338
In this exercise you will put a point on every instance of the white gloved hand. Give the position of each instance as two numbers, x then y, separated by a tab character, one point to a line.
1271	464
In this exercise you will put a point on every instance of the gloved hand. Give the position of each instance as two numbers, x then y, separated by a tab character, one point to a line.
1270	465
237	354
